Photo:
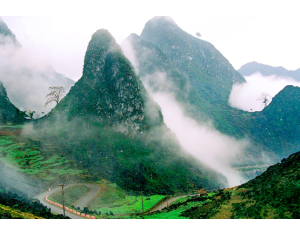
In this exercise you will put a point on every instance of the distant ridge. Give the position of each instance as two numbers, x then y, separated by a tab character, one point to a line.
267	70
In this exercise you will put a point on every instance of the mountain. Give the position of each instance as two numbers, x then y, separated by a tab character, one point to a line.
159	74
25	78
272	195
115	94
8	112
200	77
266	70
200	63
110	126
169	60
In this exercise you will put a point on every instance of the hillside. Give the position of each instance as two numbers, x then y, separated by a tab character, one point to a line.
267	70
272	195
13	206
277	125
110	126
159	74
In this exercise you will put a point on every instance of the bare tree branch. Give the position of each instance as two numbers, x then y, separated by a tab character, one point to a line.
55	95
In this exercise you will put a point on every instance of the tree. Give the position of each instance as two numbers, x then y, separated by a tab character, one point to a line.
55	95
265	99
198	35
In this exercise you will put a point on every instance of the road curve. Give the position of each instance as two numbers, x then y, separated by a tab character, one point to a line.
165	204
94	189
83	202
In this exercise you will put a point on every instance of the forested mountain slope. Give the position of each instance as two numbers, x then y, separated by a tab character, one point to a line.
111	127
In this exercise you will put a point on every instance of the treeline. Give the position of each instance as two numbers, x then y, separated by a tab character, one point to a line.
26	205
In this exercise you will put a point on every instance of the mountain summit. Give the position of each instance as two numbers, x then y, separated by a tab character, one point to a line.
202	65
109	91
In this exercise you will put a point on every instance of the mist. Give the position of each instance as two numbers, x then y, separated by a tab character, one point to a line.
202	140
27	77
245	96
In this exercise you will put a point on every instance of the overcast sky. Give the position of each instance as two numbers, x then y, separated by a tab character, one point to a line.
243	31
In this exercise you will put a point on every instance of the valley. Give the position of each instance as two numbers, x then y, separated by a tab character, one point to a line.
147	132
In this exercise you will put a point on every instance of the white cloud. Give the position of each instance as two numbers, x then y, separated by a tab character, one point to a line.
244	96
201	140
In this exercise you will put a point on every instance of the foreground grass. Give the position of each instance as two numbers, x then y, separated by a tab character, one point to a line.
7	212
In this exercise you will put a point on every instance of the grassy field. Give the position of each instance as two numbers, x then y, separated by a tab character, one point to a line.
28	159
132	204
115	201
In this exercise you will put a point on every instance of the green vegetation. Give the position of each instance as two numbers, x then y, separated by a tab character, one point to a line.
13	206
108	121
115	201
131	204
9	114
202	80
272	195
28	159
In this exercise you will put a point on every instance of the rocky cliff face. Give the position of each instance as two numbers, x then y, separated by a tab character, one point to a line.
109	91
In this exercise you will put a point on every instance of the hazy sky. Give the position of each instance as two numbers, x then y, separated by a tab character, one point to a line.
243	31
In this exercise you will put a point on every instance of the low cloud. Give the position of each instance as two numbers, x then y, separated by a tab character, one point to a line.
201	140
245	96
27	77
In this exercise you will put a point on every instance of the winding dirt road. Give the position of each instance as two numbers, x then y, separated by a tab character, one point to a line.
82	202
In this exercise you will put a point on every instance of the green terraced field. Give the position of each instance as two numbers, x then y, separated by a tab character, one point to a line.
28	159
